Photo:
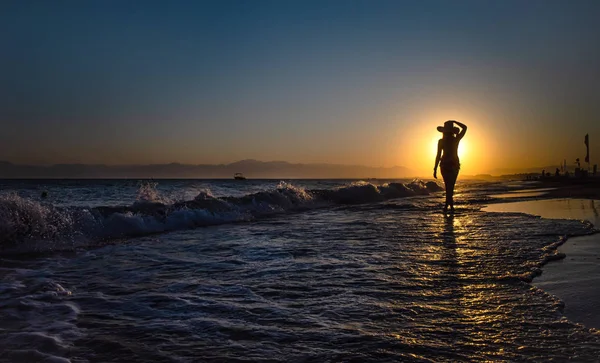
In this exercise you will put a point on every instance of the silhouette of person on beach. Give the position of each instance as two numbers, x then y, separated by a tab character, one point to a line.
447	157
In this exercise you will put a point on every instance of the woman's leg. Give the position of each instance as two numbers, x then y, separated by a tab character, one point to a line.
450	177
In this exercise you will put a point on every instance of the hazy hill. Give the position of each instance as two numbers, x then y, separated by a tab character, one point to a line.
250	168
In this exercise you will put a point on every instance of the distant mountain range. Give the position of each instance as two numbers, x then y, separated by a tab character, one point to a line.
250	168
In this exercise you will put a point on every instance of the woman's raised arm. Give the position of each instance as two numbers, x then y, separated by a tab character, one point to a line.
463	130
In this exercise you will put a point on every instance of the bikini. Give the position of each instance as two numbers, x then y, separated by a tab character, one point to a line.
449	163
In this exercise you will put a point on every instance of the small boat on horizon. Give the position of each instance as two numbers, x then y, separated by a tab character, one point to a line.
239	176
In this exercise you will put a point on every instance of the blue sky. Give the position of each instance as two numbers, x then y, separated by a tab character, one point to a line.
305	81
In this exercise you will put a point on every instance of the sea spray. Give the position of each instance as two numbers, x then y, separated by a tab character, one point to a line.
24	220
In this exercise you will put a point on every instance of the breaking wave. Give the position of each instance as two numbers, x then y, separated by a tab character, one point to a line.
27	225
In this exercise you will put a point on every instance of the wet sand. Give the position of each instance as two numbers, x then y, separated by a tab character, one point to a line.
574	279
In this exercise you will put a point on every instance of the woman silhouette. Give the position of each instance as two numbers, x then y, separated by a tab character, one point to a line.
447	152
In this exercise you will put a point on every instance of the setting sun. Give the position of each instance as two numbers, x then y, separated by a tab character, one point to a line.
463	147
300	180
426	138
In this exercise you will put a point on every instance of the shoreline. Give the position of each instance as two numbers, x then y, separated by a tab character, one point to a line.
574	278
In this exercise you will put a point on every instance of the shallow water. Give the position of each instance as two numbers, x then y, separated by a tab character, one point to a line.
574	279
563	208
388	280
518	195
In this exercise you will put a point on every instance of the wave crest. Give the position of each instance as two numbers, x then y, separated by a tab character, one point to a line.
24	220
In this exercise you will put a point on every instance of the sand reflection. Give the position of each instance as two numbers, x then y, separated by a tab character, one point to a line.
581	209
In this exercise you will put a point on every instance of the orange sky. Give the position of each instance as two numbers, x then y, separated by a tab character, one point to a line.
307	82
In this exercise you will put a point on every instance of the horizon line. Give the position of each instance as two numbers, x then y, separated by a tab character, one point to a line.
191	164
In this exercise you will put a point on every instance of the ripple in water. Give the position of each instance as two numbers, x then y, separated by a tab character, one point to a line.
367	283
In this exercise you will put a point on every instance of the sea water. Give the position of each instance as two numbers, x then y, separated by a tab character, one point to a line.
295	271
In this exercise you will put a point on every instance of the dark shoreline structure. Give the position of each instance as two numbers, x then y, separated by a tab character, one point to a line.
573	187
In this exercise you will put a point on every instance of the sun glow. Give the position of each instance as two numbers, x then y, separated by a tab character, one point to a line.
417	145
470	160
463	147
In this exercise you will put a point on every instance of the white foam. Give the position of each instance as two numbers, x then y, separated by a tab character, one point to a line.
27	225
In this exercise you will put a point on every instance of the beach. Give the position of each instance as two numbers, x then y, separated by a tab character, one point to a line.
272	271
299	181
573	279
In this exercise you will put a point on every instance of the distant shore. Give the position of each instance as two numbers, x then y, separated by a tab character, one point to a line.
588	188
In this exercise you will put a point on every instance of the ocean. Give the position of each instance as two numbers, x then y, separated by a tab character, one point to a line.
277	271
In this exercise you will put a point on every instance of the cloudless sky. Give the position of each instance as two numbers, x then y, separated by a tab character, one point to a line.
351	82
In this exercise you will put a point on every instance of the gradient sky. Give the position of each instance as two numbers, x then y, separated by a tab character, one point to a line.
351	82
